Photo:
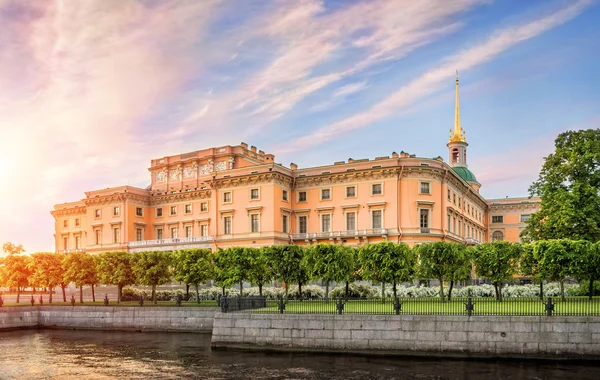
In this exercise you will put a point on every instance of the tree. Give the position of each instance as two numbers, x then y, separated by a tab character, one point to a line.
355	273
329	262
387	262
557	259
260	271
438	260
497	261
193	267
80	269
234	266
152	268
461	268
287	263
11	249
529	266
114	268
46	270
569	188
587	265
17	272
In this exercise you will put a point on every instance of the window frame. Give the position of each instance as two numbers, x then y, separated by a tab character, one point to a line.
171	209
156	211
305	193
224	200
348	188
116	210
495	219
252	198
421	183
203	206
321	222
346	220
139	234
285	223
381	213
225	218
141	212
66	223
330	194
97	213
528	217
373	187
305	217
185	209
251	217
116	232
285	195
162	233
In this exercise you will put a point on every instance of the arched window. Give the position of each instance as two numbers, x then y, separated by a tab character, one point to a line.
497	236
455	155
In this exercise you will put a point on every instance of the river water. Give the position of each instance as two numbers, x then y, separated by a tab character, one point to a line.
69	354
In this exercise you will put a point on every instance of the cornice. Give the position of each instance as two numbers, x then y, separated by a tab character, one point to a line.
255	179
354	176
68	211
515	207
118	198
177	197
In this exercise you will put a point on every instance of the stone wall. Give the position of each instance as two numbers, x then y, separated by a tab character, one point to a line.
561	337
191	319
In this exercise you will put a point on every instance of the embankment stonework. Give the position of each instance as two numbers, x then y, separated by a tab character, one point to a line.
560	337
190	319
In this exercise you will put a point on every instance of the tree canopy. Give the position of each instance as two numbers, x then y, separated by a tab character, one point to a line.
387	262
287	263
114	268
329	262
439	260
152	268
497	261
193	267
46	270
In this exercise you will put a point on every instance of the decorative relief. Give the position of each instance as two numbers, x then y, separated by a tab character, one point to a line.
118	198
190	171
161	176
220	166
231	162
253	180
175	175
345	177
188	195
69	211
204	170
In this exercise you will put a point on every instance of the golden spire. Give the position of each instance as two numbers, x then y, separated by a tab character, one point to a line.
458	135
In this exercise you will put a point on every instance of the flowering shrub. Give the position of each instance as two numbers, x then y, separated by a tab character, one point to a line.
355	290
308	291
268	292
133	294
214	292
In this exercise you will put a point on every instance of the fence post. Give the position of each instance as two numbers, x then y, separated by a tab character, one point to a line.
105	299
1	301
397	306
281	305
141	301
469	305
224	304
32	300
549	307
340	306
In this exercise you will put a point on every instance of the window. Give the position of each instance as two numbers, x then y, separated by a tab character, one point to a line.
138	234
116	235
325	194
351	192
454	224
497	218
449	198
159	233
159	212
173	232
77	242
188	232
376	189
469	209
254	223
325	222
424	218
254	195
77	222
424	188
227	197
65	223
284	195
188	209
497	236
204	230
302	224
302	196
525	218
139	211
284	223
459	203
97	213
449	223
98	237
65	243
204	207
173	210
376	218
227	225
116	211
351	221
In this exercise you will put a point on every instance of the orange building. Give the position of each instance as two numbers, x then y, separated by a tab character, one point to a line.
235	195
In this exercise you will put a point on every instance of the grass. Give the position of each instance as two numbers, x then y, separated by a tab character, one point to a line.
100	302
420	306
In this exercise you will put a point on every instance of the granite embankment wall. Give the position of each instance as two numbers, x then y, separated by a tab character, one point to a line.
189	319
537	337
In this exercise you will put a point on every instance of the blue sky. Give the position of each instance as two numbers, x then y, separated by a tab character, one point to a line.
91	91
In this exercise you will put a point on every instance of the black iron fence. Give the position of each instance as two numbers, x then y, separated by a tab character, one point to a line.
415	306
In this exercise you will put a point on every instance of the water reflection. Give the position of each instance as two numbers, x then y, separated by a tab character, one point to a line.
66	354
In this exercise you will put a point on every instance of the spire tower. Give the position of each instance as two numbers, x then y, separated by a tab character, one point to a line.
457	135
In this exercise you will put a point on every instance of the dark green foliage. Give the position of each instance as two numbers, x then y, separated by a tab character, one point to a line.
387	262
287	264
114	268
260	271
497	261
233	266
80	269
330	263
152	268
193	267
441	260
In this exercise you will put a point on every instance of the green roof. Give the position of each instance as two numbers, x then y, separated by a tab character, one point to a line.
465	174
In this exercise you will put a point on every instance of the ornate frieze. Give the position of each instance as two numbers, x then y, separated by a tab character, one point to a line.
190	171
220	166
277	178
69	211
175	175
161	176
187	195
118	198
338	178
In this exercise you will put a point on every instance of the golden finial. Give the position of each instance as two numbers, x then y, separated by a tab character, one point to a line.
458	135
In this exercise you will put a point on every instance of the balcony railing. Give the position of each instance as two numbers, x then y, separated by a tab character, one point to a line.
159	242
69	250
425	230
340	234
472	241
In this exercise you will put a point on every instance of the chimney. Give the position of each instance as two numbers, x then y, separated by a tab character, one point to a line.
403	154
350	160
253	148
394	155
293	166
244	145
269	158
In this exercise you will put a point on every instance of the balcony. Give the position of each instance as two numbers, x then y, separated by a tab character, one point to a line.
196	240
340	234
471	241
425	230
70	250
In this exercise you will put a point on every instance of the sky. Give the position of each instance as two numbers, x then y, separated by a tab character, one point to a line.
91	91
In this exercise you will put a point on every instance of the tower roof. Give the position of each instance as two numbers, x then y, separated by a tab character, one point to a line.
457	135
465	173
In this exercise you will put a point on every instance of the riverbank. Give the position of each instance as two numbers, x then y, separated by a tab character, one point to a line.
533	337
115	318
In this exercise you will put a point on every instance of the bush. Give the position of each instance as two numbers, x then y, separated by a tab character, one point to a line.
584	288
213	292
133	294
308	291
355	291
268	292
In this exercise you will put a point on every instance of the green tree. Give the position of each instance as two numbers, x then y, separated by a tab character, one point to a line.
497	261
529	266
152	268
193	267
558	259
233	267
287	263
587	265
355	273
461	269
260	271
12	249
114	268
438	260
329	262
80	269
46	270
569	188
387	262
17	272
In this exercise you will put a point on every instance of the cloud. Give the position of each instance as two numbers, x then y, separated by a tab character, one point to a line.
433	79
339	96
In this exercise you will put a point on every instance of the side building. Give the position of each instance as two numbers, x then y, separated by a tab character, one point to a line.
238	195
